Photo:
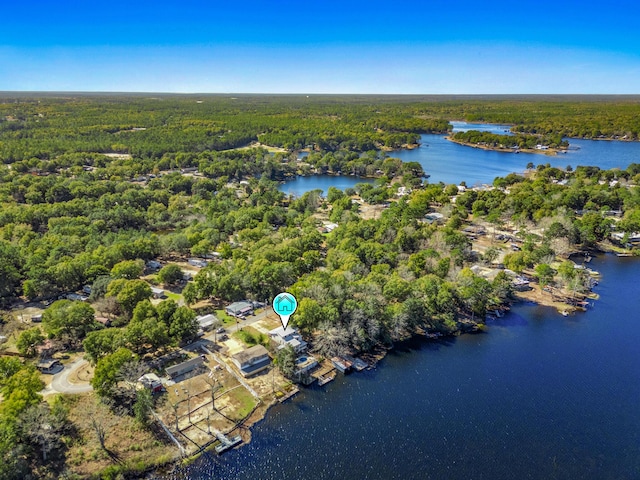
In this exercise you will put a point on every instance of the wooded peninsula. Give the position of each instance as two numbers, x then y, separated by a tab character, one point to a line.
132	227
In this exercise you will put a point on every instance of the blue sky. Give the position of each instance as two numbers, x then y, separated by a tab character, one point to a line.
321	46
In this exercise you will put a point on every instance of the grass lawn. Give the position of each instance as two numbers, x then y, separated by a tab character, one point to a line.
243	402
250	337
176	297
225	318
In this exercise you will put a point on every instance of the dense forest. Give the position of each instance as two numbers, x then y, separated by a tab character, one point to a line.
91	189
475	137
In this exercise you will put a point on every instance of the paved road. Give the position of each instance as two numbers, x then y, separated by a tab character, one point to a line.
61	384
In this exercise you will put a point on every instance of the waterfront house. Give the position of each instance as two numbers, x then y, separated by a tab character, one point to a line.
288	337
239	309
304	365
184	367
252	360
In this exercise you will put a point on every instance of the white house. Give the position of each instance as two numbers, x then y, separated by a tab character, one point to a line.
290	337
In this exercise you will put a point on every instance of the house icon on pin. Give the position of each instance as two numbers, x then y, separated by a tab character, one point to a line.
285	304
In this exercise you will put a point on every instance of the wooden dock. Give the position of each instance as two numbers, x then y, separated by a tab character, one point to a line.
324	379
227	443
357	363
291	393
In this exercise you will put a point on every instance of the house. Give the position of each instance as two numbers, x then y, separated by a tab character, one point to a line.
284	303
330	227
154	265
196	262
434	217
36	318
104	321
240	309
304	364
158	292
77	297
152	382
252	360
288	337
49	366
632	238
207	322
184	367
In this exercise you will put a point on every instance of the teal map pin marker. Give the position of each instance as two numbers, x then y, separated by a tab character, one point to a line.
284	305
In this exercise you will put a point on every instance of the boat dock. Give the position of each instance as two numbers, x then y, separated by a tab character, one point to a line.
357	363
226	443
342	364
286	396
324	373
324	379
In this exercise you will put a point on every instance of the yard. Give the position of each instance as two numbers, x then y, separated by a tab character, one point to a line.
127	445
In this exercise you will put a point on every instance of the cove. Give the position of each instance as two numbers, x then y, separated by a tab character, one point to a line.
300	185
449	162
538	396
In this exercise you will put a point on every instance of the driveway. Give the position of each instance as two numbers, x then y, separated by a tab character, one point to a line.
61	384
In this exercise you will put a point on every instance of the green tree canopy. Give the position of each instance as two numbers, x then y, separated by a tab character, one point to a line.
69	320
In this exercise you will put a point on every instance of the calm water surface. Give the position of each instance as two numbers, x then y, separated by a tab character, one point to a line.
449	162
300	185
539	396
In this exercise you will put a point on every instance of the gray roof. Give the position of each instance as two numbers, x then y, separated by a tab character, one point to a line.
207	320
240	306
185	366
249	354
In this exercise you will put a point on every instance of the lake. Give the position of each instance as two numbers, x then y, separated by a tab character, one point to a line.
449	162
300	185
539	396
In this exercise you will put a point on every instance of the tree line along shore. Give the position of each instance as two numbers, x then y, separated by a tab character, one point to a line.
76	223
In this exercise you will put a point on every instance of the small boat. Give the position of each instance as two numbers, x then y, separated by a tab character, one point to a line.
564	313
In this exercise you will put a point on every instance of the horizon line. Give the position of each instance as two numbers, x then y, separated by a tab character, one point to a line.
323	94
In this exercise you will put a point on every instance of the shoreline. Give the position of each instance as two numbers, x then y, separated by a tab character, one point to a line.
373	357
550	151
553	298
